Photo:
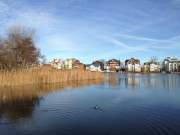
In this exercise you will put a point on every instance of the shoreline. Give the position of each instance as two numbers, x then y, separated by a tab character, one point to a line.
141	73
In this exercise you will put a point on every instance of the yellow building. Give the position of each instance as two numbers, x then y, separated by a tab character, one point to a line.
70	62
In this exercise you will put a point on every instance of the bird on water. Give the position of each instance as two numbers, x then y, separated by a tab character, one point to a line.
96	107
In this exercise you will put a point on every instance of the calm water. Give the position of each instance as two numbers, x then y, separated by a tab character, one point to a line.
129	104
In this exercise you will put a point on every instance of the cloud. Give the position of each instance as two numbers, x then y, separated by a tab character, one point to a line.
140	38
167	43
73	27
175	2
136	48
3	7
58	43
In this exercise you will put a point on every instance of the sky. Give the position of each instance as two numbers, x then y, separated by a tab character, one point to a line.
90	30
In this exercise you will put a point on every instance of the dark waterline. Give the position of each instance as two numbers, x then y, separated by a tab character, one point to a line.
129	104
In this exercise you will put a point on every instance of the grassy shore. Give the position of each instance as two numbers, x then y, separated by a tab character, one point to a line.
45	75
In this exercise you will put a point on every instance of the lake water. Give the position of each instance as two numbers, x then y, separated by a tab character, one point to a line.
129	104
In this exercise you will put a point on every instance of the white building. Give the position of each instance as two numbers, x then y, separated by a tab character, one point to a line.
171	64
133	65
60	64
113	65
93	67
57	63
151	67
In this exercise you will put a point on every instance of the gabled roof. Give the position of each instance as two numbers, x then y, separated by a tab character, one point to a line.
132	59
96	65
114	60
146	63
88	65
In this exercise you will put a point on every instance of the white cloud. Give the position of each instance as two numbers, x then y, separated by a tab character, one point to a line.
136	48
141	38
176	2
3	7
55	43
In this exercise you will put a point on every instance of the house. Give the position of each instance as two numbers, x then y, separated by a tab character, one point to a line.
113	65
171	64
57	63
60	64
151	67
93	67
132	65
88	66
77	65
101	64
69	63
49	65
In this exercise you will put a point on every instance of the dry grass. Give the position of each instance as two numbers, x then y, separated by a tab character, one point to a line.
45	76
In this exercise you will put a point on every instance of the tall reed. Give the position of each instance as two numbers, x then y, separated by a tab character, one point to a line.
45	75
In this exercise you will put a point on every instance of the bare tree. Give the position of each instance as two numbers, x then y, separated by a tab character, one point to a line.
122	65
19	49
154	59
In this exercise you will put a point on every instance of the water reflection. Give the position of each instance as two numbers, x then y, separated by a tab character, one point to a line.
168	82
18	110
17	104
125	104
132	82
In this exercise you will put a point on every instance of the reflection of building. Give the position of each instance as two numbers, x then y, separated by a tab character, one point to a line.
114	81
171	64
132	81
113	65
171	84
151	67
133	65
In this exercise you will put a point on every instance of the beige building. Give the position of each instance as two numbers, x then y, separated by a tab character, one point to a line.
151	67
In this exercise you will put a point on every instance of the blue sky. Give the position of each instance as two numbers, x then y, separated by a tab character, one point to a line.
98	29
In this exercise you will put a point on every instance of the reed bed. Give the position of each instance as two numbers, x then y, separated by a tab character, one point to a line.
45	76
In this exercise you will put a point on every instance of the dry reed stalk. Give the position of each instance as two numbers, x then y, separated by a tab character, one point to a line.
45	75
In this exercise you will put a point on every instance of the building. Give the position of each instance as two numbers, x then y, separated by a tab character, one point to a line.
60	64
132	65
113	65
93	67
57	63
100	63
171	64
78	65
151	67
68	64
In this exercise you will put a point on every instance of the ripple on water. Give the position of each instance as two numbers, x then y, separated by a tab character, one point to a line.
154	120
